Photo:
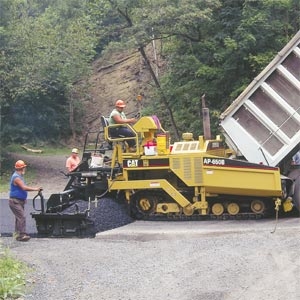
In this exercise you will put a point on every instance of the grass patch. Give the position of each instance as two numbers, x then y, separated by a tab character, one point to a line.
12	275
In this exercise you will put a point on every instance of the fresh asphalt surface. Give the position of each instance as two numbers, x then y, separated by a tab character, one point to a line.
7	223
155	229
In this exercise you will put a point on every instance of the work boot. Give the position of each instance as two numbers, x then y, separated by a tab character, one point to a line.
23	238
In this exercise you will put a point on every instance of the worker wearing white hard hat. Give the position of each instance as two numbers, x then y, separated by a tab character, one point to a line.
73	160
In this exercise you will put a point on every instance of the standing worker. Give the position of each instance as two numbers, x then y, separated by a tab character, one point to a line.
73	160
17	199
118	116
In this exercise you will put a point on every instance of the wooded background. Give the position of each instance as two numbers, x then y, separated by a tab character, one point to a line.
188	48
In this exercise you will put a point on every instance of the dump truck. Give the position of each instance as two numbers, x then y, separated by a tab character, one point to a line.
263	124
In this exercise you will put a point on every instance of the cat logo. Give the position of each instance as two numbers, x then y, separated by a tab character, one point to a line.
131	163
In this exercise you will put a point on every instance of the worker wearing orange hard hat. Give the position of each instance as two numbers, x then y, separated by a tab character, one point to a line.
73	160
17	199
120	103
118	116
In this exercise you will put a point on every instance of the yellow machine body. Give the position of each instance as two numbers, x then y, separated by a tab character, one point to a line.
190	176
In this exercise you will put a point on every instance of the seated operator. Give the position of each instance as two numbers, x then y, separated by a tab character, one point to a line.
117	116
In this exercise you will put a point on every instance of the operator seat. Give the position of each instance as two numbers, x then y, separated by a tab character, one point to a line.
107	134
105	124
109	137
104	121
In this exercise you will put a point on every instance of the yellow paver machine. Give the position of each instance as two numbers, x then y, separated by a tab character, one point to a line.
246	175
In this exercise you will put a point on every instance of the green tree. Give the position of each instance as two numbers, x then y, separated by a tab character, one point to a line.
211	47
237	42
139	23
46	49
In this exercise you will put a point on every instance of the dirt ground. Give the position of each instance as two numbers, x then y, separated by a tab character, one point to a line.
48	171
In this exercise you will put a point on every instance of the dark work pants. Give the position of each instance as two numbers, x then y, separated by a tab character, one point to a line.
18	209
123	132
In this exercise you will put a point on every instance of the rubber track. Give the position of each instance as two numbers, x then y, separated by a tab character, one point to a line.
223	217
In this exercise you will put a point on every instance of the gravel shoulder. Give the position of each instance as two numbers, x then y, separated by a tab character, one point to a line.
172	261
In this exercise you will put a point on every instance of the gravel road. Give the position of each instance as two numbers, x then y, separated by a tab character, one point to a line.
213	260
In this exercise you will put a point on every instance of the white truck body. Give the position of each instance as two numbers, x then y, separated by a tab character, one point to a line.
263	123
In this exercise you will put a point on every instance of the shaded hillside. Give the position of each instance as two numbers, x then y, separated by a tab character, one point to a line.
122	76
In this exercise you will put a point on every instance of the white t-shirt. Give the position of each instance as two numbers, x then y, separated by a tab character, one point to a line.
115	112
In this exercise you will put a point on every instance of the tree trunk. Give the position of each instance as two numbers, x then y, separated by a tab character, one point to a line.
163	97
71	118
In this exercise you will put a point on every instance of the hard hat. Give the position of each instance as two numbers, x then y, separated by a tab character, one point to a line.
75	150
120	103
20	164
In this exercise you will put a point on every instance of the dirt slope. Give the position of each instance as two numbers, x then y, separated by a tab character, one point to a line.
120	76
115	76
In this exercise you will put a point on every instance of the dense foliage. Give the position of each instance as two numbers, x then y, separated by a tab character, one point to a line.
211	47
46	47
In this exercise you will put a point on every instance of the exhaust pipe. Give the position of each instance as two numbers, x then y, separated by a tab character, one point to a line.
205	120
